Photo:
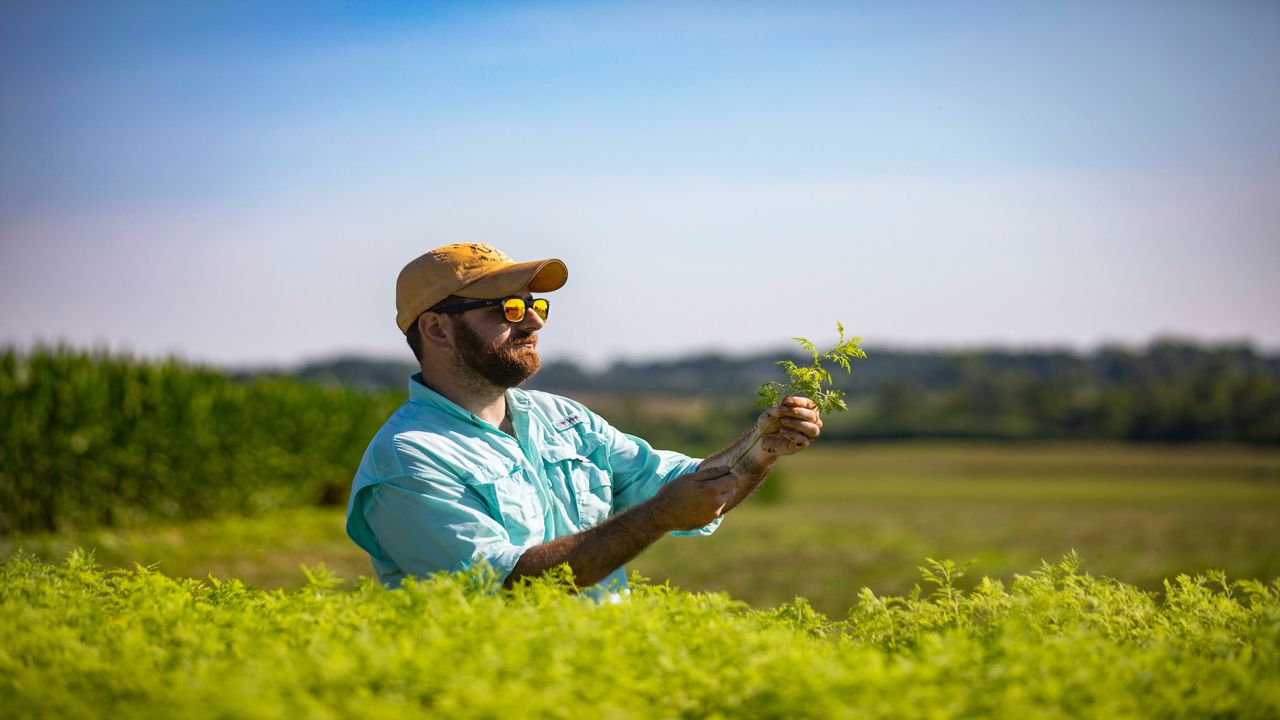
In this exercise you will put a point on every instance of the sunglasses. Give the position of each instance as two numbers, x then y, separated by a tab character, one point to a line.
513	307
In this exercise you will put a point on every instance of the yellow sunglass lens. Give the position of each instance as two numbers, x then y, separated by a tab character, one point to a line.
542	307
513	309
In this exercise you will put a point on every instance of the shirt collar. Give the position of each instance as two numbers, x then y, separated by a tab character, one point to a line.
518	400
420	394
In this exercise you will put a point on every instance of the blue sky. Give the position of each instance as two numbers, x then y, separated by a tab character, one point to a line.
241	182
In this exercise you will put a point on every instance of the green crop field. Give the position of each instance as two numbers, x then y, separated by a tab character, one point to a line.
1055	642
89	439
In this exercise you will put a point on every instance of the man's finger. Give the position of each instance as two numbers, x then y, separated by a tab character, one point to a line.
799	401
795	437
802	413
710	473
719	489
808	429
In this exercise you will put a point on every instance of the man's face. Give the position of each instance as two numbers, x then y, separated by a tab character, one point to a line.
504	354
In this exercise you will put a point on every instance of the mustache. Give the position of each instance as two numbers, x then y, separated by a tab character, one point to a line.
520	338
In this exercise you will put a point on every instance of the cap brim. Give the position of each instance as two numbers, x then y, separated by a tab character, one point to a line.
537	275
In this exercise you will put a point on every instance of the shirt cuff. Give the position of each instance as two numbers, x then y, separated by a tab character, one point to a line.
502	559
696	532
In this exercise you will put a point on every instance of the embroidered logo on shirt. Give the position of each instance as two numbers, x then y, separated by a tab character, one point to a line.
569	421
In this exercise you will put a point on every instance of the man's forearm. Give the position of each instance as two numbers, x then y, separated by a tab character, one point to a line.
595	552
751	469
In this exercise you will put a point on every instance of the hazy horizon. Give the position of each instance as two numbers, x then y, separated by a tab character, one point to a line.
598	364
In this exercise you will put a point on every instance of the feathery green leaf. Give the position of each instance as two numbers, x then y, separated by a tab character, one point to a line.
813	381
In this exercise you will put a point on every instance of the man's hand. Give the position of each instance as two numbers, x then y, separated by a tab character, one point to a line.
686	503
790	426
691	501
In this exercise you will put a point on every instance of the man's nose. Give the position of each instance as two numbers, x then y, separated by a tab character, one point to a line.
532	321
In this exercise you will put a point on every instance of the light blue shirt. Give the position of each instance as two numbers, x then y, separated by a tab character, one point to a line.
441	489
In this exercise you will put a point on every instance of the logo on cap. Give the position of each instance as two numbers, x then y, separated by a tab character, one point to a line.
488	253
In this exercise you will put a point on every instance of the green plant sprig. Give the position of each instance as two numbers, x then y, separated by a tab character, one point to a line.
812	381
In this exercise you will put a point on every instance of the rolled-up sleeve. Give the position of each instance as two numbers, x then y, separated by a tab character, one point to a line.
639	472
428	525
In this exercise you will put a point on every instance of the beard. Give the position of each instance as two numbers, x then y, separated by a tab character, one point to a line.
501	364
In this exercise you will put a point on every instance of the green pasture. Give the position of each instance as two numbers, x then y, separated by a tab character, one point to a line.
844	517
855	516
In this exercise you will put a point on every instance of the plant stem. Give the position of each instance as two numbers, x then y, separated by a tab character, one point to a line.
755	440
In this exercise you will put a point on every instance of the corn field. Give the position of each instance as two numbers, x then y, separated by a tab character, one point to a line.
89	439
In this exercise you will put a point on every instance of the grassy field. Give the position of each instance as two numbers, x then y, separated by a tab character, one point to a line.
854	516
867	516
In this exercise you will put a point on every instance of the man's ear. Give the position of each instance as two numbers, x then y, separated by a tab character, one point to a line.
435	330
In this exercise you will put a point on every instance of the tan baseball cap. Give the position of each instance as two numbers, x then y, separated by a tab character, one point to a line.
469	270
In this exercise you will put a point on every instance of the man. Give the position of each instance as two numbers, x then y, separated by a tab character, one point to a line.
473	468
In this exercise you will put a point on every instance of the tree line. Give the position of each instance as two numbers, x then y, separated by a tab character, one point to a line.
1167	391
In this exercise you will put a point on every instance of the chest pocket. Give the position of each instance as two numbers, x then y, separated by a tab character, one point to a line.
518	503
581	468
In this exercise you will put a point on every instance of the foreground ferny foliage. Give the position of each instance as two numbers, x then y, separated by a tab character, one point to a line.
76	641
